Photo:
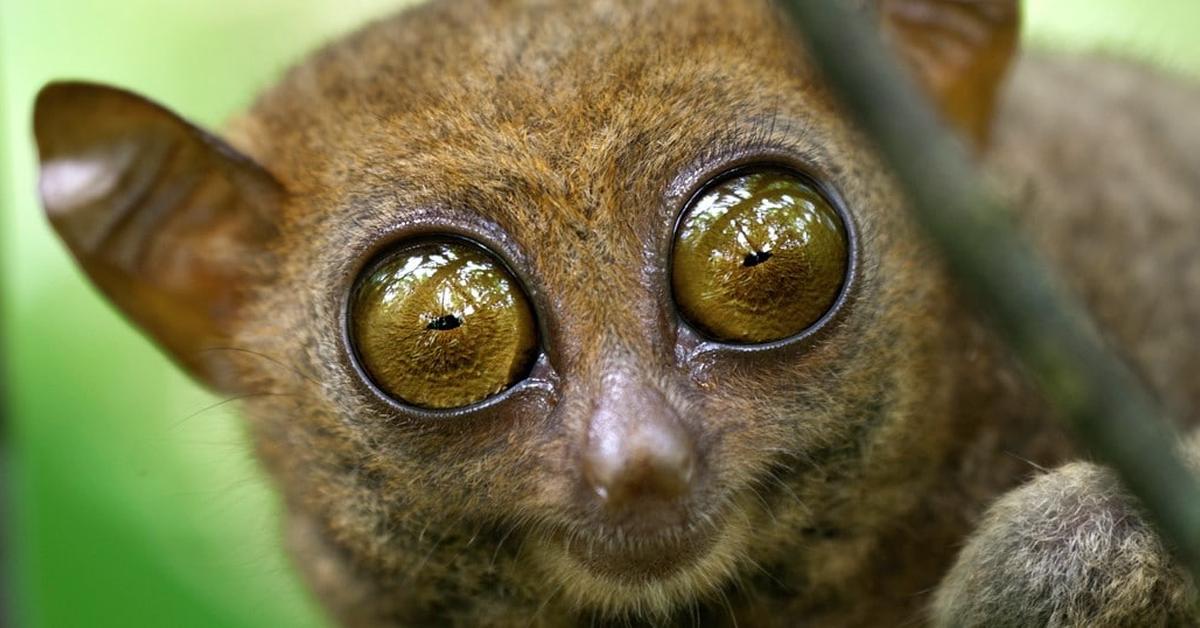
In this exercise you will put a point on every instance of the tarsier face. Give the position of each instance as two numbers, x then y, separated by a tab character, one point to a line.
601	302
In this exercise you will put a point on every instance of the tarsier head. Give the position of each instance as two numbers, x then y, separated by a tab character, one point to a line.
603	303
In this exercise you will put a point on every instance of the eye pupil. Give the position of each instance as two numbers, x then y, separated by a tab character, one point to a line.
445	323
756	258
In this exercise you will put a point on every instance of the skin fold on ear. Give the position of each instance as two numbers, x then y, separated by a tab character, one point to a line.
960	50
170	222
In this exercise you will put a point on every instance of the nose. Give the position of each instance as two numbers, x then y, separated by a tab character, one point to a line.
639	459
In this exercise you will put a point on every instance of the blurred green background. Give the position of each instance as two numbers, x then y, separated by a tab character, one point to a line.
133	499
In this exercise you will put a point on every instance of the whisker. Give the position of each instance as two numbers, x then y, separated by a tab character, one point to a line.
500	544
763	570
227	401
436	544
545	603
787	488
311	379
754	490
1027	461
728	607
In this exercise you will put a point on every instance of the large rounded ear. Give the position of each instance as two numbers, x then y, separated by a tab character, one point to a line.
960	50
170	222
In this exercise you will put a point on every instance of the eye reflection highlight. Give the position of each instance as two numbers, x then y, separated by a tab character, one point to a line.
442	324
759	256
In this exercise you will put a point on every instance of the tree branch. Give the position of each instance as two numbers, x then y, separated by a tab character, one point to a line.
1111	413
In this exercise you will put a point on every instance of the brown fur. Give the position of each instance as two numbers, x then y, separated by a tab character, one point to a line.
1101	161
839	476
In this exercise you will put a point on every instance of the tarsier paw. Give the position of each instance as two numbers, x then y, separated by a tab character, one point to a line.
1070	548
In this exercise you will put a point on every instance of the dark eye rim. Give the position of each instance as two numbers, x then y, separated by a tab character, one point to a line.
703	343
539	378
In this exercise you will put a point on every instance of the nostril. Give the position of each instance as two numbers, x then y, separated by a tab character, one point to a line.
637	460
641	480
655	479
635	482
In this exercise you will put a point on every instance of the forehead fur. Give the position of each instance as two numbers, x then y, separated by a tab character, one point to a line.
576	145
492	100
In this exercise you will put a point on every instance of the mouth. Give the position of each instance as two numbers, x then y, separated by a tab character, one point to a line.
637	558
650	575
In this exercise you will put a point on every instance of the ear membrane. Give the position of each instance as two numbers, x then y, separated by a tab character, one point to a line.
960	50
168	221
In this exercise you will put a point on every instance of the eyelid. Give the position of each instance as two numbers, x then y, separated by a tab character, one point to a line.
785	138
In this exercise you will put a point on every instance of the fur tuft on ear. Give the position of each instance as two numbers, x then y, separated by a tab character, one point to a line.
960	50
168	221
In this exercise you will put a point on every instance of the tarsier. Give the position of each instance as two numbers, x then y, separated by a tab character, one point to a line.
577	313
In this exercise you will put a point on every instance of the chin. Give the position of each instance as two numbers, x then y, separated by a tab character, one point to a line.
618	574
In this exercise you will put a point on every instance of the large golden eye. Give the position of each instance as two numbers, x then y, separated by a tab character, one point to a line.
759	256
442	324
